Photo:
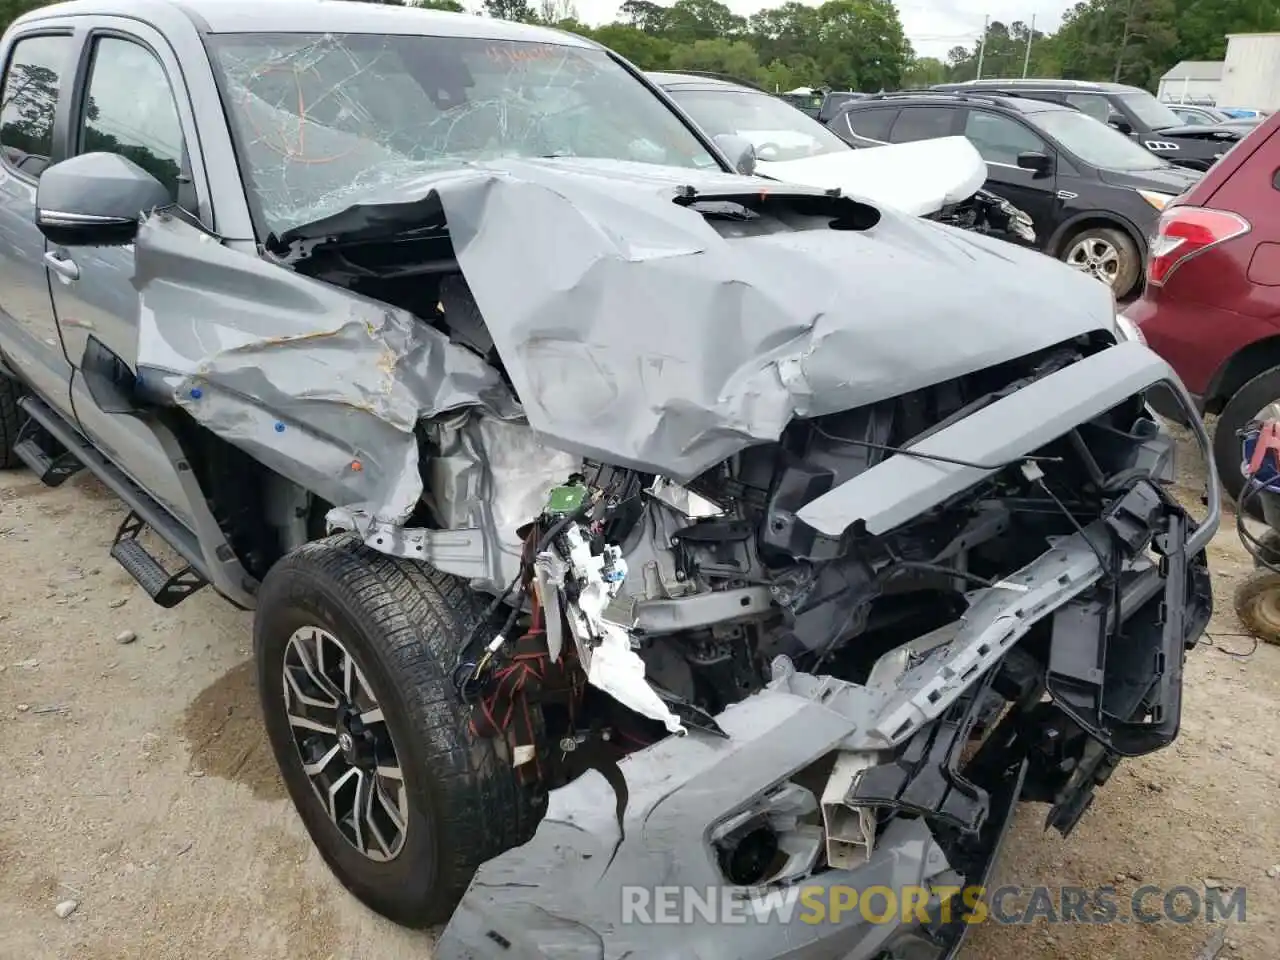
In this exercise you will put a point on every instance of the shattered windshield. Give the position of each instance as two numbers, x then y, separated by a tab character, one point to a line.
324	121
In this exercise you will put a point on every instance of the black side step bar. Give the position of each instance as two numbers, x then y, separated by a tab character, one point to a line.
33	448
165	588
146	511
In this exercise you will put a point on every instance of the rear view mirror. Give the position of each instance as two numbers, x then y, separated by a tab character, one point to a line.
1037	163
1120	123
740	151
96	199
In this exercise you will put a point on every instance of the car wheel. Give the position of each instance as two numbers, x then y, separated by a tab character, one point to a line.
10	419
1258	605
1106	254
354	651
1258	399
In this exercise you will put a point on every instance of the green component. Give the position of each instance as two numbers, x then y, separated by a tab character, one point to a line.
566	499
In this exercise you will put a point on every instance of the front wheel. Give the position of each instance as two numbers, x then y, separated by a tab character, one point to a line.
1258	399
353	653
1106	254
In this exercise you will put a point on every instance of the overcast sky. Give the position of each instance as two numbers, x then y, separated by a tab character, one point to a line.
933	26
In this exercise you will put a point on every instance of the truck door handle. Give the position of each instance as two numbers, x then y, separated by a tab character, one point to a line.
64	267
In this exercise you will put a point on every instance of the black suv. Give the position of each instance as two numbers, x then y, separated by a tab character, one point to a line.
1094	196
1131	110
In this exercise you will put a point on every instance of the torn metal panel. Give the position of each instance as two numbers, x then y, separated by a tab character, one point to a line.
321	385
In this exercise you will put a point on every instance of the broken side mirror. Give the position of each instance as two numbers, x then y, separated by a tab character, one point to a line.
96	199
1120	123
1038	163
740	151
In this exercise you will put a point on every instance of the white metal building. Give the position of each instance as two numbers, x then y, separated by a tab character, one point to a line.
1251	71
1192	81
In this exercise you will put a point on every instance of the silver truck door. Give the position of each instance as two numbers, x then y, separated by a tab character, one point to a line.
38	65
129	92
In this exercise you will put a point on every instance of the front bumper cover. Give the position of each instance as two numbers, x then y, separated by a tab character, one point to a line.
565	894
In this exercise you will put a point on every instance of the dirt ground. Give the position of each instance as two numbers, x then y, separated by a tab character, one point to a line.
140	786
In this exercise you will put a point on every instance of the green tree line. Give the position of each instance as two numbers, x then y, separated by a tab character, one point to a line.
861	45
1130	41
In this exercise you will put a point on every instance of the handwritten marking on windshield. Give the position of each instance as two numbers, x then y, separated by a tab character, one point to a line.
522	53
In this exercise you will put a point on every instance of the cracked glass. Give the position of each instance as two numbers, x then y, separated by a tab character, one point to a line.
324	121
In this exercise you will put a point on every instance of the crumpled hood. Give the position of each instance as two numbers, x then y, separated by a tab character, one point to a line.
634	329
637	331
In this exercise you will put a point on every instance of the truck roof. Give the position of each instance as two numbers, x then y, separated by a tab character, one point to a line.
312	16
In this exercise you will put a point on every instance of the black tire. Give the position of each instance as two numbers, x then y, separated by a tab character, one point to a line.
1130	267
402	623
1241	408
10	419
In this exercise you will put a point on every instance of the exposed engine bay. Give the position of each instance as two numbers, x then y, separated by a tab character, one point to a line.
676	600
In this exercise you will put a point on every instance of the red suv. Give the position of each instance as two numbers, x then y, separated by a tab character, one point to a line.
1211	305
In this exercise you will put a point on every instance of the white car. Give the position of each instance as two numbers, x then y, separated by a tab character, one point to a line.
919	178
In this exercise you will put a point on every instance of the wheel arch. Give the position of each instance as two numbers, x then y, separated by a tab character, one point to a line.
262	513
1094	218
1238	369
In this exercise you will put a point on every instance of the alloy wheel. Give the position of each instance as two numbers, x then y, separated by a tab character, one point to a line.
1270	412
1095	256
344	743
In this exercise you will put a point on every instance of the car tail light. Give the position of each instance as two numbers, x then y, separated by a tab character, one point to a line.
1185	232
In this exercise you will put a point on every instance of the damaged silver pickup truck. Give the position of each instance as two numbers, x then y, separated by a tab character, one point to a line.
610	519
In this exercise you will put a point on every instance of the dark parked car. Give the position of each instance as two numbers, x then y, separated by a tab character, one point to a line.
1092	194
1211	306
1131	110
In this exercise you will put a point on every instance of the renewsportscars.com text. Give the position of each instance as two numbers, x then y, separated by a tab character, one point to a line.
1010	904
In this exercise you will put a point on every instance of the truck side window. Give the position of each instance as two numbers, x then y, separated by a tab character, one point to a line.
129	109
32	83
